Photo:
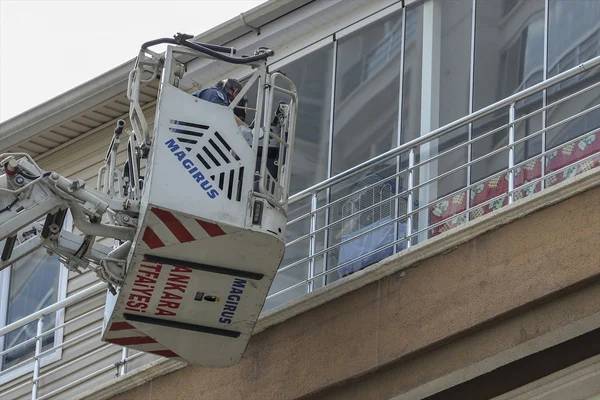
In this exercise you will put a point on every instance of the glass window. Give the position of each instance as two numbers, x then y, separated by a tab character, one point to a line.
365	125
436	91
447	26
573	38
573	33
299	272
411	84
28	286
367	92
509	54
455	59
290	281
509	48
312	76
33	285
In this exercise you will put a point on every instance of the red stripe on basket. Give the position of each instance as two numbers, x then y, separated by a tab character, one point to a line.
121	326
152	239
174	225
211	229
128	341
164	353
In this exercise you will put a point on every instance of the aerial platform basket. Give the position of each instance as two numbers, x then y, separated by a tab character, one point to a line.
211	224
197	212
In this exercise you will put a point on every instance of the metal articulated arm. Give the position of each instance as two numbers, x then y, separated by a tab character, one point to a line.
29	194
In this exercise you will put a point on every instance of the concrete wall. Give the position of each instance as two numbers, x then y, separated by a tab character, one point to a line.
425	328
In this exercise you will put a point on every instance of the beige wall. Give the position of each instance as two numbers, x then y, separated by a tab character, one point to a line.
80	159
507	287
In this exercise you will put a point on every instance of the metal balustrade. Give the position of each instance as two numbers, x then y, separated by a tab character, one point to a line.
412	169
379	207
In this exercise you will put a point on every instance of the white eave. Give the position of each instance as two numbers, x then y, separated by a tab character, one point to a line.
97	103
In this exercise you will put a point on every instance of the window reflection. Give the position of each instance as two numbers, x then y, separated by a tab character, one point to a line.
509	55
411	85
573	38
573	33
367	92
312	76
296	254
365	125
33	286
436	89
509	48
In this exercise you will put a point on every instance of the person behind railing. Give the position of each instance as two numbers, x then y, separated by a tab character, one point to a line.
223	93
369	225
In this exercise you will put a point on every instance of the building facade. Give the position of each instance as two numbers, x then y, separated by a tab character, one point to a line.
461	127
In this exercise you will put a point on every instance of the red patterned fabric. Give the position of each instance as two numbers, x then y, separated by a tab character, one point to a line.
491	194
569	154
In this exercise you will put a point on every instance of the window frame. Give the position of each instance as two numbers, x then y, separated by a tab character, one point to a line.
56	353
368	20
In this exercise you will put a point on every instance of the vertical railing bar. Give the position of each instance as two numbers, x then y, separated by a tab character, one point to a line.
326	233
311	247
258	121
511	152
123	366
409	206
36	359
543	159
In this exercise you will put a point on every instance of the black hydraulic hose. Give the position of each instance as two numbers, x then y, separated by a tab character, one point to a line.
220	49
28	176
210	50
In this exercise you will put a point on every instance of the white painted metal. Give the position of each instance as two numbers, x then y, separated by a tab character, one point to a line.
203	258
199	238
36	362
511	152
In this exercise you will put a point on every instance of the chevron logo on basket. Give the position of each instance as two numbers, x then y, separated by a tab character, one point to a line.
192	169
210	150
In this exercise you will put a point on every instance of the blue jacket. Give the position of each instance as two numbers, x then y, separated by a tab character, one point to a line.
213	94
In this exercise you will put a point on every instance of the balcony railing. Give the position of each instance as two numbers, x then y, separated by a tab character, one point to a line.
502	153
35	361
